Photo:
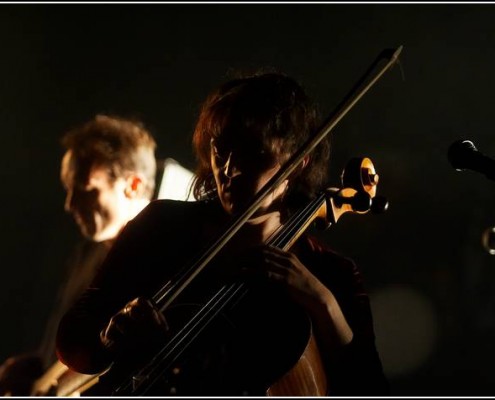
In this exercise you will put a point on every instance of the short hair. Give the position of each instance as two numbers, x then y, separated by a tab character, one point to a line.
273	108
121	145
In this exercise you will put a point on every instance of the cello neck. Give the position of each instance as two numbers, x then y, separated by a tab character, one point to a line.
285	237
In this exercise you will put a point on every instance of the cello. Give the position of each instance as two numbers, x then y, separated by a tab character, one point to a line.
305	376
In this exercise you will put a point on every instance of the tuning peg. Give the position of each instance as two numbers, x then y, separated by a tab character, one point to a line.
361	201
379	204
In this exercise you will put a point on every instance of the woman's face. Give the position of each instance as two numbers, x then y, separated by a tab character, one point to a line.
241	167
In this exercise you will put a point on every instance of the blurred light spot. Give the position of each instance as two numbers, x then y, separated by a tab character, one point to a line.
405	326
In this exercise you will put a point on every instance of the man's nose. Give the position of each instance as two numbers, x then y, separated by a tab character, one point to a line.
68	201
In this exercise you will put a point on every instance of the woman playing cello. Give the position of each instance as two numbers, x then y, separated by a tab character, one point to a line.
246	130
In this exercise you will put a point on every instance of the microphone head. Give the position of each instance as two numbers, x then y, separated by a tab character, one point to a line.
460	154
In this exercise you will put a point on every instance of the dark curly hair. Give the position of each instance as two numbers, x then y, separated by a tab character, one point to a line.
273	109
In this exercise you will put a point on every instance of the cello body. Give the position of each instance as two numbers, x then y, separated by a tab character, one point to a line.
306	378
247	350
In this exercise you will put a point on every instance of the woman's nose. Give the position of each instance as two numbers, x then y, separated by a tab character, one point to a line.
231	169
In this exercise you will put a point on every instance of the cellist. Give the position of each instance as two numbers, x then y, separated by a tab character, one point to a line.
246	130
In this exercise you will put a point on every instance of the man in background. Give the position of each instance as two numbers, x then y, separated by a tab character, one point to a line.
108	172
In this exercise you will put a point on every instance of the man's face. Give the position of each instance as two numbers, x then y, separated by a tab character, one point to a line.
98	204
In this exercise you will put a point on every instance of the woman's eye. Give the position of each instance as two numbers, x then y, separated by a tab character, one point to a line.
218	155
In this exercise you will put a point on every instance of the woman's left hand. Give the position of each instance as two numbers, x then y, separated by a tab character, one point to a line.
284	267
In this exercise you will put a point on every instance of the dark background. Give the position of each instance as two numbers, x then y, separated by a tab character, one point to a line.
431	283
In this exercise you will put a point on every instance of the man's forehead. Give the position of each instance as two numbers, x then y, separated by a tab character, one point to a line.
77	170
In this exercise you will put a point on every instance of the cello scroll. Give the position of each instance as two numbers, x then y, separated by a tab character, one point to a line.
358	194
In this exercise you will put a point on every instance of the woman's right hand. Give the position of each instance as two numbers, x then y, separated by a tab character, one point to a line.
18	373
138	326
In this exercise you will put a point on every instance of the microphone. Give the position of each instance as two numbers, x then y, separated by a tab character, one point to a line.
488	240
463	155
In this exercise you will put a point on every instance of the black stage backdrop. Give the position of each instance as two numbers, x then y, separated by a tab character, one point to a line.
431	282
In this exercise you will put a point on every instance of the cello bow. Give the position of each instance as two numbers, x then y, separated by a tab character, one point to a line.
169	292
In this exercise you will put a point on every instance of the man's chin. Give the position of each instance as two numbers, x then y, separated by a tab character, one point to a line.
107	233
91	237
89	234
